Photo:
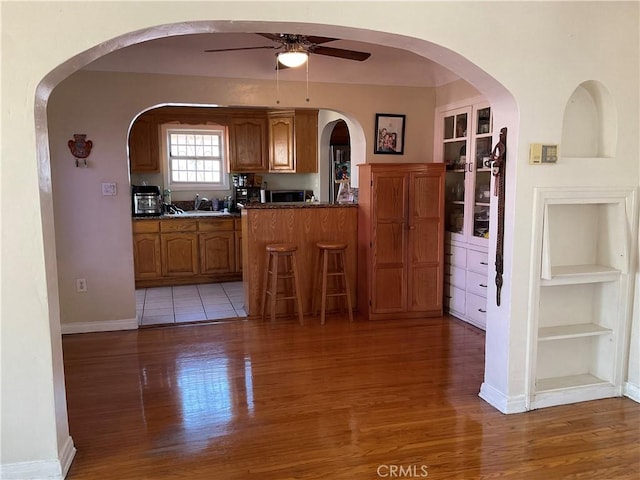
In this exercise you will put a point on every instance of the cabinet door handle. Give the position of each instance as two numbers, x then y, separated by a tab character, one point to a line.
470	167
482	285
448	297
482	311
484	263
412	227
449	254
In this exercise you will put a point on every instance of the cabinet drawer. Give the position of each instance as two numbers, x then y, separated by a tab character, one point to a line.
477	284
454	299
478	261
456	276
476	308
178	226
455	255
216	225
146	226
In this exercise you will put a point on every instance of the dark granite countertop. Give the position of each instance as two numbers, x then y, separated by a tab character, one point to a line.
268	206
200	215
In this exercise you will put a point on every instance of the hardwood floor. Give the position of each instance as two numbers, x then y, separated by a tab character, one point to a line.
366	400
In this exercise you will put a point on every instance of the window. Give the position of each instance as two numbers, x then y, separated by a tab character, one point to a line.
196	157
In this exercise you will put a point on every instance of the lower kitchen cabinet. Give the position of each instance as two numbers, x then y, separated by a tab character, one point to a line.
186	251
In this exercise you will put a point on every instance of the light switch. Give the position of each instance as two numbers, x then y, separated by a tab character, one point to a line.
109	189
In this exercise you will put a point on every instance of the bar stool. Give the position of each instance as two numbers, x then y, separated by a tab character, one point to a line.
274	271
341	285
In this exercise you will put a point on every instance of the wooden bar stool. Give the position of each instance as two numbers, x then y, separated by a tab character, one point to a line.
338	270
274	271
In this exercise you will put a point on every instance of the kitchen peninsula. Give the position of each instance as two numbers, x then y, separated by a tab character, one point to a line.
304	225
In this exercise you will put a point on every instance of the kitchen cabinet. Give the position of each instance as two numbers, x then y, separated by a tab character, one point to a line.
401	240
248	144
179	248
293	141
579	316
281	143
464	136
146	250
144	149
217	246
186	251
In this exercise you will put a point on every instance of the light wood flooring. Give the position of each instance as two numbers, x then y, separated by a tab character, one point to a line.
366	400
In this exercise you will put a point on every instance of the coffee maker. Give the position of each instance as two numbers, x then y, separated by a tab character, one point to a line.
146	200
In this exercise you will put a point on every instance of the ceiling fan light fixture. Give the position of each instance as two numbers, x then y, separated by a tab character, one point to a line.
293	59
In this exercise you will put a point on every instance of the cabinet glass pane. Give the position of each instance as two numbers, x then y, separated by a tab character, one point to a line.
455	155
483	150
448	127
454	205
481	203
483	124
461	125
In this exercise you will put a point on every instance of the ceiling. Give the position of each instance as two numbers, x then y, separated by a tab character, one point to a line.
185	55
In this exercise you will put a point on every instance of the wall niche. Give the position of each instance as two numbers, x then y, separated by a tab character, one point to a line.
590	125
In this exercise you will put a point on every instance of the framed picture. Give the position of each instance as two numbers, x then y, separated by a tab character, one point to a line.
389	134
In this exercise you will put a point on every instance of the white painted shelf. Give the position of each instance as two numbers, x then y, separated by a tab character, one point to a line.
574	274
571	331
570	381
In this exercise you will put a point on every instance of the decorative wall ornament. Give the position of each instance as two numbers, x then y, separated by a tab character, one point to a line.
80	148
498	164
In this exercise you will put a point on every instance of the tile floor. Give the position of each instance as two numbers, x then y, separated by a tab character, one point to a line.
190	303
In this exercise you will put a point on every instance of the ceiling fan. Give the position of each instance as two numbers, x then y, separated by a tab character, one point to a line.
295	49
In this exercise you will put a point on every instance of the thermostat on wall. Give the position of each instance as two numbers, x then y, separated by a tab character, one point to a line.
539	153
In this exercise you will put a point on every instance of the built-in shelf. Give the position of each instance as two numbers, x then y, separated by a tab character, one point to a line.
570	381
571	331
572	274
581	273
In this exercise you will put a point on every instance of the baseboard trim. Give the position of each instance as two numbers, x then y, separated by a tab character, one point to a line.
632	391
49	469
104	326
498	400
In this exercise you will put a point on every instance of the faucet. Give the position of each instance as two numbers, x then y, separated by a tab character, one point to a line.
198	201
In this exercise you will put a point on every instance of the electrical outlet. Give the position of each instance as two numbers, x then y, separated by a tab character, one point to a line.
81	285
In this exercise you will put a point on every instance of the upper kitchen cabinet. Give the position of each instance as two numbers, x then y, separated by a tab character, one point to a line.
293	141
144	151
248	144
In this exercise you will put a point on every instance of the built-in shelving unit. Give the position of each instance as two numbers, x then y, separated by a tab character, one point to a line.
580	302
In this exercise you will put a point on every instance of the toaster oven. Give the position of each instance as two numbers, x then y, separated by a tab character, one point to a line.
146	200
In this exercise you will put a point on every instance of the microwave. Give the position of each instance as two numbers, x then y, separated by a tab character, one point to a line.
290	196
146	200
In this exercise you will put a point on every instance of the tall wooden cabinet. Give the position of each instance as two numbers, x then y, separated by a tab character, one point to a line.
464	138
400	240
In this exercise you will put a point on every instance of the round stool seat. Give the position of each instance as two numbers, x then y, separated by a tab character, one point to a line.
331	246
281	247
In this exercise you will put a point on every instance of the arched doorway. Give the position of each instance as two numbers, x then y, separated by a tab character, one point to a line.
503	102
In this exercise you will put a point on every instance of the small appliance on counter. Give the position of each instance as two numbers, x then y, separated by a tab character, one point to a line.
289	196
146	200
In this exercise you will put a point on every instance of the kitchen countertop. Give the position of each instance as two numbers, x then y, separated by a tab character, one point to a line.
200	214
270	206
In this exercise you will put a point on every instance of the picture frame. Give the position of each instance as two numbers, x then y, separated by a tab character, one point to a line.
389	134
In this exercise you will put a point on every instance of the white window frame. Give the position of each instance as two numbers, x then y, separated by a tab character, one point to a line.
167	129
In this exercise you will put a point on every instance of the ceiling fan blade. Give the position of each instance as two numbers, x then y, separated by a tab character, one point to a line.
318	40
270	47
276	37
341	53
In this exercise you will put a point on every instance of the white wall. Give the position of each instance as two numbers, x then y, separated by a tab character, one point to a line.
539	52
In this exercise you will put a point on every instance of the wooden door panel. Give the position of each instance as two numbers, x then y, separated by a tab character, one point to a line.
425	196
425	288
389	294
179	254
389	198
217	252
425	242
146	255
389	246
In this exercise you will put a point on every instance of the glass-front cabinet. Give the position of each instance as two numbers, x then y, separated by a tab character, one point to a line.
463	140
466	147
